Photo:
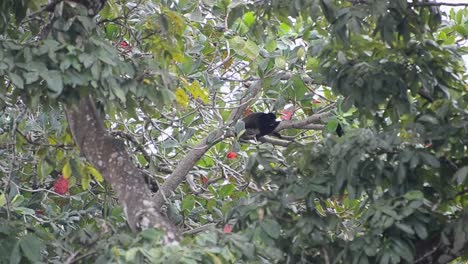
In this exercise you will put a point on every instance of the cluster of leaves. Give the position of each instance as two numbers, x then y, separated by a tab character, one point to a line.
370	198
73	61
377	195
108	245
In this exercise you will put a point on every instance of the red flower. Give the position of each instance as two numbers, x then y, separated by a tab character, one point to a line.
231	155
61	185
123	44
227	228
124	47
286	114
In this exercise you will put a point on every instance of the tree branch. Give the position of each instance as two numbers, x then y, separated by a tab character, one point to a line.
188	162
194	155
305	123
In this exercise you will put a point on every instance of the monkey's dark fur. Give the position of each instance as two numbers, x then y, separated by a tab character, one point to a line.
260	124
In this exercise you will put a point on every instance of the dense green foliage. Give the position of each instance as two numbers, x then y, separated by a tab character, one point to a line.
169	72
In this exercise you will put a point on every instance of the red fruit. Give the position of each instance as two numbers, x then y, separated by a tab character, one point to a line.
61	185
231	155
227	228
123	44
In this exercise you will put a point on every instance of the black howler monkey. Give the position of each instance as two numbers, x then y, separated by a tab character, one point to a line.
339	130
260	124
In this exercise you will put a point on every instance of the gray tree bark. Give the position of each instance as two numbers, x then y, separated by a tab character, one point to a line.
109	156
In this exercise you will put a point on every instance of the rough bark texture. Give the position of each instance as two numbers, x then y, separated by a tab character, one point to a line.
184	167
110	157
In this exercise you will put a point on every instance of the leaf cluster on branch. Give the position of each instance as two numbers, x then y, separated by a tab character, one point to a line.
100	97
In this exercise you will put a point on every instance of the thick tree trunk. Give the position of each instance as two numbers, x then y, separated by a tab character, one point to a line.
110	157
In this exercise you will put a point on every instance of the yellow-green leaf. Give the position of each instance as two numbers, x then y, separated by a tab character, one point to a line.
181	97
66	170
215	258
95	173
85	180
67	139
198	92
2	200
52	140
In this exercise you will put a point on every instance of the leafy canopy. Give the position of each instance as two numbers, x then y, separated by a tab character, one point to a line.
170	72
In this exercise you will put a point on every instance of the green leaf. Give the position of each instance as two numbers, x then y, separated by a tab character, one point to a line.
247	248
226	190
31	77
106	57
332	125
299	88
403	250
130	255
87	59
390	212
66	170
280	63
65	64
429	119
15	256
24	210
461	174
271	227
214	258
249	18
237	44
85	180
405	228
119	93
188	202
16	80
31	247
251	50
430	159
95	173
181	97
150	234
414	195
2	200
54	82
420	230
